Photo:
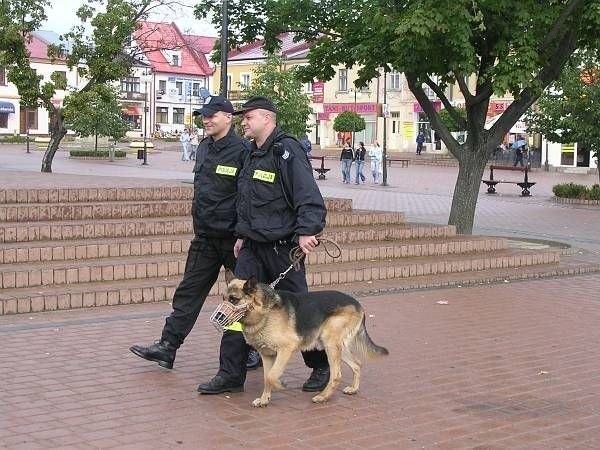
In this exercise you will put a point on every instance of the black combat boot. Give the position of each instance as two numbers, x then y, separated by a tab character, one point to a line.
254	360
162	352
317	381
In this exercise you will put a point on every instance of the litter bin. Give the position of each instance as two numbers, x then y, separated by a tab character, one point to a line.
140	153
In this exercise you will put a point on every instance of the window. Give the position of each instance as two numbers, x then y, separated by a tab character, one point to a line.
162	86
424	126
59	77
3	120
178	115
130	84
394	83
343	80
31	117
179	87
567	154
162	114
2	77
196	89
309	87
244	81
175	60
228	82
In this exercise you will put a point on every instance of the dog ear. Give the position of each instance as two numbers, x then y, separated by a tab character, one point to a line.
250	285
229	276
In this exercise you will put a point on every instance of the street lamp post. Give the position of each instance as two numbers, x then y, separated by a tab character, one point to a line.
146	110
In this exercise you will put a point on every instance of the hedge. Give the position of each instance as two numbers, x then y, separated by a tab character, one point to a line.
14	139
96	154
572	190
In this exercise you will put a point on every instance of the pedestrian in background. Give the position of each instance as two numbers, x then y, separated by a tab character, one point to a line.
185	144
376	156
194	141
420	141
346	157
519	147
359	158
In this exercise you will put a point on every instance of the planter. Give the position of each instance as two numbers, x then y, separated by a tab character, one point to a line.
576	201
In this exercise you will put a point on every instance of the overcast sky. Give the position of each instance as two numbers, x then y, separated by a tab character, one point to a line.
61	18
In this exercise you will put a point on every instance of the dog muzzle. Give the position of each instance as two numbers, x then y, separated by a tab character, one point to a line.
226	314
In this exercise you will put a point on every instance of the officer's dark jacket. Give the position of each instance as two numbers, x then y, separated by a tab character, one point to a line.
264	215
216	173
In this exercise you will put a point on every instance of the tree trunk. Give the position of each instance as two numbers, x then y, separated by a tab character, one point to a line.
466	191
96	142
57	132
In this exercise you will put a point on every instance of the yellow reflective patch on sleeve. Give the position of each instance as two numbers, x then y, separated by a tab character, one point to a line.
261	175
235	326
226	170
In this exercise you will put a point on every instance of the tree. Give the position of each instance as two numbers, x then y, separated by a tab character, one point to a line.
449	122
284	88
569	111
349	121
483	47
104	56
95	112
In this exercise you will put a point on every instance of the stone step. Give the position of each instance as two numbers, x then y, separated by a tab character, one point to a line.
96	194
93	211
387	233
131	194
160	266
153	226
48	251
47	298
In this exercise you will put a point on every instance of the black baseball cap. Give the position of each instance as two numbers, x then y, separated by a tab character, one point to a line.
257	102
213	104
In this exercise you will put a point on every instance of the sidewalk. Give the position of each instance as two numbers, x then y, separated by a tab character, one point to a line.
499	367
504	366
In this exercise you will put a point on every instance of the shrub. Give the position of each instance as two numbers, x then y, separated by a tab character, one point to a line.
572	190
96	154
14	139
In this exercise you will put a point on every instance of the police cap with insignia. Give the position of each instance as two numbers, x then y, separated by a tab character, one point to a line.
214	104
257	102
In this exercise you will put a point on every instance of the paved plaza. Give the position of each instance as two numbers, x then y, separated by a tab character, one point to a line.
501	366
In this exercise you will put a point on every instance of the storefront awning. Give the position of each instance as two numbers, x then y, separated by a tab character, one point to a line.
132	111
6	107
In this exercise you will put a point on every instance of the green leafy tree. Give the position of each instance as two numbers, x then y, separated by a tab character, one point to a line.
448	120
95	112
484	47
282	86
103	56
349	121
569	111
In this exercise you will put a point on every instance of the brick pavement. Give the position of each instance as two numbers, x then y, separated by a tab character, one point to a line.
499	367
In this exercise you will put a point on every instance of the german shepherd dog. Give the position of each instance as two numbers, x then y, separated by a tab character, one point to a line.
279	323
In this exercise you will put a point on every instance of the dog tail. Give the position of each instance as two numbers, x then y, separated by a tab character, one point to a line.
364	345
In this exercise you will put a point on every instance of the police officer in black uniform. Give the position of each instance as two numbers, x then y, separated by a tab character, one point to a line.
279	207
219	159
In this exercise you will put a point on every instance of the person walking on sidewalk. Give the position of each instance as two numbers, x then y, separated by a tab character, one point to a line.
219	160
346	157
420	141
376	156
185	145
279	207
359	158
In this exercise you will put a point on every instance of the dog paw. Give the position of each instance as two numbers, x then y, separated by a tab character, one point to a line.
350	390
319	399
260	403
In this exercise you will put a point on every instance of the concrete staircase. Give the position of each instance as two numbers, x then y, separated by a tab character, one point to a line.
72	248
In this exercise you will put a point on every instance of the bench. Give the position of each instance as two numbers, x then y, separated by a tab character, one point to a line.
524	185
320	170
403	162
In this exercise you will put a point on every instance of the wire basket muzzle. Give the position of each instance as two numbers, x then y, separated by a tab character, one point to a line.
226	314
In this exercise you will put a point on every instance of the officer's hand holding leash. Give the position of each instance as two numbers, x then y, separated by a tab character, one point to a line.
307	243
237	247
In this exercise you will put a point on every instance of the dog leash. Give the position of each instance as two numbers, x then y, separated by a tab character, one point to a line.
296	256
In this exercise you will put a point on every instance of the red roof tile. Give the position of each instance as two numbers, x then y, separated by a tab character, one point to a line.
152	37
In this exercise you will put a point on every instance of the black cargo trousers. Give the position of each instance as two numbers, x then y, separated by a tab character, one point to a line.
205	258
265	261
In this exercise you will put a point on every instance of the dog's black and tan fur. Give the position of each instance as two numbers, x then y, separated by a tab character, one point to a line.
279	323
